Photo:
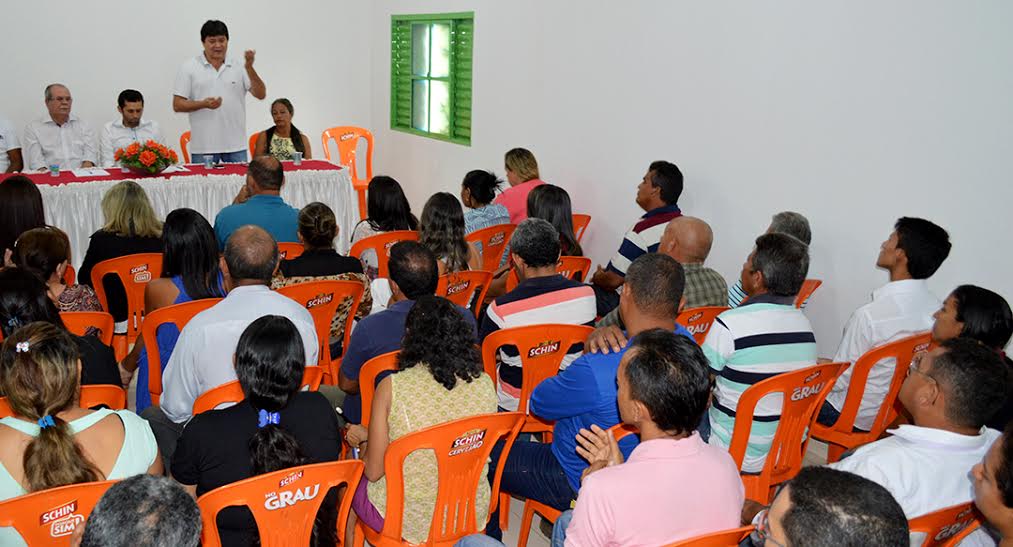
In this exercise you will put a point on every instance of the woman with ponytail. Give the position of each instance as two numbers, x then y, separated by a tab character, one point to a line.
284	139
50	442
277	426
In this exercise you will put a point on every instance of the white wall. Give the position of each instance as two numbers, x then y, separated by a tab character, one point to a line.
853	113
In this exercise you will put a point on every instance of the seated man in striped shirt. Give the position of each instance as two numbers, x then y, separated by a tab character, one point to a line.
785	222
543	296
658	194
762	338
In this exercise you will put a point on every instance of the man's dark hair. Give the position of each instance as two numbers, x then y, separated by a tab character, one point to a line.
213	27
414	269
266	172
144	511
668	177
974	378
793	224
251	253
784	262
925	244
669	374
537	242
656	282
129	96
832	508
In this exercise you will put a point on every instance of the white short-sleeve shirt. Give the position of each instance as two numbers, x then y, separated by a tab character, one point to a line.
8	141
116	135
223	129
67	145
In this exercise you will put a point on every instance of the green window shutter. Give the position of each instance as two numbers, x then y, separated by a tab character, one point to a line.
401	74
461	46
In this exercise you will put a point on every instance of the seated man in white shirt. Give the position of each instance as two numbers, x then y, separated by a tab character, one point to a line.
60	138
203	356
902	307
130	128
950	392
10	148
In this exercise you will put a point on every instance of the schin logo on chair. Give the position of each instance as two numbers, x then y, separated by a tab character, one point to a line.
140	273
62	519
497	239
346	136
544	348
472	440
319	300
695	317
458	287
813	376
290	478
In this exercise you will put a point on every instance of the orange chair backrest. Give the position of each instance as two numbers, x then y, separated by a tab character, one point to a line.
460	287
5	408
50	517
78	322
803	392
725	538
253	143
346	137
322	299
367	380
288	251
809	286
620	431
462	450
284	503
232	392
494	240
947	526
381	244
184	146
580	222
177	314
134	271
698	321
114	397
571	267
69	275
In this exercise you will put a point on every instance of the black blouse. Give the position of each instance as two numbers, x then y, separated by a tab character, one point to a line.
318	263
105	245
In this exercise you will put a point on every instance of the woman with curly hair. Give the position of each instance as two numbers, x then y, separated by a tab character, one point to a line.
441	230
439	379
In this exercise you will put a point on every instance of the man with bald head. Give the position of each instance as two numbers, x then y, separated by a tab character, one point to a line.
259	203
202	358
59	138
688	240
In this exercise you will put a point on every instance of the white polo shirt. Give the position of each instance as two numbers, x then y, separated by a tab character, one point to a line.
925	469
8	141
116	135
223	129
67	145
898	309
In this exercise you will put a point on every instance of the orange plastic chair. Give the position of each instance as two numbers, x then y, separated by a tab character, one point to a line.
803	391
322	299
253	143
580	222
288	251
184	146
841	436
177	314
346	137
460	288
231	392
69	275
462	449
5	408
572	267
114	397
494	240
367	380
134	271
698	321
809	286
50	517
284	503
382	241
948	526
725	538
78	322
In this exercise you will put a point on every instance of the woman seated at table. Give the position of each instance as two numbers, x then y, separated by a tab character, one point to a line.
277	426
478	189
441	230
190	271
21	210
551	203
131	227
50	441
438	368
388	210
284	139
45	252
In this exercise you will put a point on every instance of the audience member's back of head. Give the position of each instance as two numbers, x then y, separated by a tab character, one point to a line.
784	262
41	251
23	300
536	242
128	212
438	336
190	250
318	226
669	374
552	203
831	508
387	206
251	254
793	224
522	163
20	208
414	269
482	185
985	314
973	377
667	176
925	244
144	511
267	172
656	283
441	230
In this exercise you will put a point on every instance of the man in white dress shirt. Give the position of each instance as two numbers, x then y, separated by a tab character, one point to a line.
10	148
902	307
60	138
203	356
131	127
950	392
212	89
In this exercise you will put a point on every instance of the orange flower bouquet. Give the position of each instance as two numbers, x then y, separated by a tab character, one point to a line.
149	158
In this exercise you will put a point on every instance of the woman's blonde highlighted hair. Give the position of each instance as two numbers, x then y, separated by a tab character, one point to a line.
128	212
522	162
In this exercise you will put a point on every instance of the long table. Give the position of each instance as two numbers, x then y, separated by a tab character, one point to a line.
74	204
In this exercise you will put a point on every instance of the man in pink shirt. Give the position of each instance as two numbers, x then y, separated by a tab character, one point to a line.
674	486
522	174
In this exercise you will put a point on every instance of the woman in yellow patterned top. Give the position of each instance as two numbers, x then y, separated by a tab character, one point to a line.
439	379
284	139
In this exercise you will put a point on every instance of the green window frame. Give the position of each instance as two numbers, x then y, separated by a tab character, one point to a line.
430	75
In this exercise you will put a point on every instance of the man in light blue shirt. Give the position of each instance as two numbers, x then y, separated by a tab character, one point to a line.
259	203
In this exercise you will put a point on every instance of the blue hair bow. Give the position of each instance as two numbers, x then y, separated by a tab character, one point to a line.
46	421
268	418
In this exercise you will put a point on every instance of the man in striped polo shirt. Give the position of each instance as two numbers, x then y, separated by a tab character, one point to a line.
760	339
658	194
785	222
